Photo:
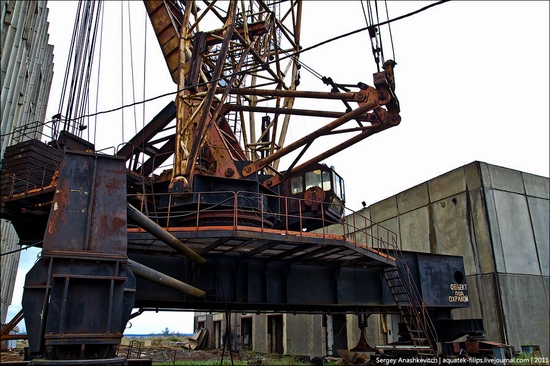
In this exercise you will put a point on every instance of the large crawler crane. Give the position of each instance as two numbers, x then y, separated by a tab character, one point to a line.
226	228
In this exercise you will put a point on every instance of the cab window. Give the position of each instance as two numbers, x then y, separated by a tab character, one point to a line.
318	178
297	185
339	187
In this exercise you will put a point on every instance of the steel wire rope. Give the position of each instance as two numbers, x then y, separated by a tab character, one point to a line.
78	71
260	66
389	30
89	68
75	95
75	66
81	92
311	70
379	33
122	63
143	202
132	66
98	75
22	248
68	67
367	28
375	47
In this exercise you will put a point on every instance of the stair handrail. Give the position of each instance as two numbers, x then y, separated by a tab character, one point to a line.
413	293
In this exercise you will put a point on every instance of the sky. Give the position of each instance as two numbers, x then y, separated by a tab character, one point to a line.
472	79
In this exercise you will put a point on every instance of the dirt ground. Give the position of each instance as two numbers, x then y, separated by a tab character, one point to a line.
13	355
164	353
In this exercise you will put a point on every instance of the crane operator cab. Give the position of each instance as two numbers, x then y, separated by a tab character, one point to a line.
315	198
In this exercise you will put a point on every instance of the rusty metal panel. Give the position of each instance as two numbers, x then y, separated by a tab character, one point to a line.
472	348
160	14
79	296
89	206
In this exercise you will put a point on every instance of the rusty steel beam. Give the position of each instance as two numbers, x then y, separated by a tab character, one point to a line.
327	153
160	15
160	278
142	139
8	327
208	100
357	97
7	337
260	164
290	111
154	229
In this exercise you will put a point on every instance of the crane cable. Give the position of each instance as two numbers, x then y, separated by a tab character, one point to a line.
98	74
75	92
374	33
389	30
132	66
122	63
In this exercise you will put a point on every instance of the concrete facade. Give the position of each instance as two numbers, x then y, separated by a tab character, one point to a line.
295	334
498	220
26	73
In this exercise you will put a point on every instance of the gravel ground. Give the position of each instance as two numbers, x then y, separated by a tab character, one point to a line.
167	353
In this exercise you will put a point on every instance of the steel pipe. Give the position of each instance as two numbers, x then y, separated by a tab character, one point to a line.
158	277
157	231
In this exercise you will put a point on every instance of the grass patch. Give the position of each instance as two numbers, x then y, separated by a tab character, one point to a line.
202	363
283	361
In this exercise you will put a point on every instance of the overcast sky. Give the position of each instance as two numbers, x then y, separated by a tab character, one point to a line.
472	79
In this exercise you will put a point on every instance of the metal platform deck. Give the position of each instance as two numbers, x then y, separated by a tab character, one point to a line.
267	245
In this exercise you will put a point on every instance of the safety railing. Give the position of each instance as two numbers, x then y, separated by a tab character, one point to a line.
418	307
266	213
26	181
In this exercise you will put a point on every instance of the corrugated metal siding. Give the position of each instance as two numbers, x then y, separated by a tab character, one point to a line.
26	73
9	264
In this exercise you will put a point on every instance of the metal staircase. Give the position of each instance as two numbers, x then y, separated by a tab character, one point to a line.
411	307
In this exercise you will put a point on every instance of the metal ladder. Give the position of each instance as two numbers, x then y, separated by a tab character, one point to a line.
411	307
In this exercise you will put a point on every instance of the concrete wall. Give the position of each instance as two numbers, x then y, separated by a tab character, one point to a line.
302	334
497	219
518	210
26	72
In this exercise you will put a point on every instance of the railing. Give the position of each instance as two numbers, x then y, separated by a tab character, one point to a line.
26	181
266	213
418	308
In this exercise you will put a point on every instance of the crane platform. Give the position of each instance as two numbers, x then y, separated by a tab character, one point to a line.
266	244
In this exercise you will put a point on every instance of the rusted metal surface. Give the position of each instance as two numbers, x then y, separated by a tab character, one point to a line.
78	296
166	19
86	212
363	344
144	143
477	347
28	165
277	282
4	333
27	186
233	52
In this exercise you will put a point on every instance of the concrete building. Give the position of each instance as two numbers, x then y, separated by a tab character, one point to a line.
496	218
26	73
